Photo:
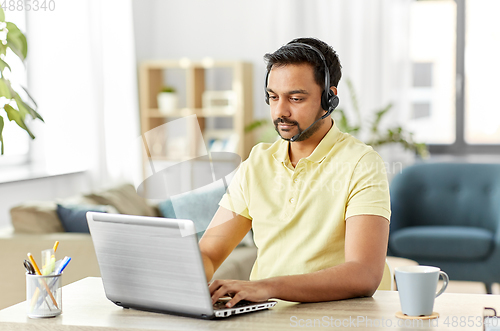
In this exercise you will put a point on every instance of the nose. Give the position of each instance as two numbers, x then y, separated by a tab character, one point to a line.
280	108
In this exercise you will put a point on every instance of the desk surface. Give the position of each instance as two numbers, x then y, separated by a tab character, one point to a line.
85	308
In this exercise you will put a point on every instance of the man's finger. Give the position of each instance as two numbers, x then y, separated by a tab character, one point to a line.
219	293
237	298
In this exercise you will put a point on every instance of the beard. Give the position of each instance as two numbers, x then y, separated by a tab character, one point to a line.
308	131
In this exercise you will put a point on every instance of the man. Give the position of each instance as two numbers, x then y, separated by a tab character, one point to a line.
317	200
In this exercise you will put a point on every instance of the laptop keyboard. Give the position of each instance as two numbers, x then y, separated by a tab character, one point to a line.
221	304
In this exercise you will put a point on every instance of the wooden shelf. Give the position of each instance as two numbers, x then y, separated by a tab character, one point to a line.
217	128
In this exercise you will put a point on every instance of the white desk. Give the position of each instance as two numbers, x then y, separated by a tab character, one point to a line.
85	308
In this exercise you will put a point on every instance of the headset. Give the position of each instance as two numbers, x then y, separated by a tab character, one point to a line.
329	100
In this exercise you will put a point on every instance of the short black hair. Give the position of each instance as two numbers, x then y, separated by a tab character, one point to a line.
296	55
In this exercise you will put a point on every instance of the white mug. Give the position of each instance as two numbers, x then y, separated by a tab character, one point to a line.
417	288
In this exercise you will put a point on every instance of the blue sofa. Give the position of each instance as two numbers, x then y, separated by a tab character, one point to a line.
448	215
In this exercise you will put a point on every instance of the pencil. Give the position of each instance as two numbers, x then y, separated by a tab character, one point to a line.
55	246
42	280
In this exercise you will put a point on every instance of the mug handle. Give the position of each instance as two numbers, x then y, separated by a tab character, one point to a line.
445	283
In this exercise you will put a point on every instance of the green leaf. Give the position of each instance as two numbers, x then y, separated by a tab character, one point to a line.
4	65
5	90
25	109
250	127
1	130
29	96
16	116
2	19
16	41
3	49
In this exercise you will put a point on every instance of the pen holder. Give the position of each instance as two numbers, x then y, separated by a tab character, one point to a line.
43	295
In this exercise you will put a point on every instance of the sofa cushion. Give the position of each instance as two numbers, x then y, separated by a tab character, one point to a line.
36	217
73	217
442	242
125	199
199	206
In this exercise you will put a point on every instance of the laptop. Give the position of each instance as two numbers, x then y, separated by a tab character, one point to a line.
154	264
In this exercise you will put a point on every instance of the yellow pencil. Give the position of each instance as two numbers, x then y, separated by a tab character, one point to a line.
55	246
42	280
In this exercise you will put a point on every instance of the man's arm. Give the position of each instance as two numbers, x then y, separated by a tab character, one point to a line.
365	252
224	233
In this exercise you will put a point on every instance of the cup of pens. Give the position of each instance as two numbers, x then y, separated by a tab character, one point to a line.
43	287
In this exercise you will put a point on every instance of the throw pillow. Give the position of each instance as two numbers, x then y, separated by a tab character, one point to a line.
73	217
200	207
125	199
35	217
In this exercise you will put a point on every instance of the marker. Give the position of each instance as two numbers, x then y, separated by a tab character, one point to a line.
42	280
63	265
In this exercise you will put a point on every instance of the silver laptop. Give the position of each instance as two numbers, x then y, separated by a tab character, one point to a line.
154	264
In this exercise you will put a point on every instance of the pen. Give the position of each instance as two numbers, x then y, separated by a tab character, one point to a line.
55	246
29	268
42	280
59	270
63	265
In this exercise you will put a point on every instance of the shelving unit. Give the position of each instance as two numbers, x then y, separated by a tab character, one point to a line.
154	75
221	128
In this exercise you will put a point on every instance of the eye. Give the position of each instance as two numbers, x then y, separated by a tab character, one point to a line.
273	97
296	99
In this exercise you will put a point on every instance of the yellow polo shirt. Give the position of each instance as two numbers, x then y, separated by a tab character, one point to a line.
299	214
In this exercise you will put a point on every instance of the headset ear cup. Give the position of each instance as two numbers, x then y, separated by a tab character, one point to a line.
333	100
267	97
325	102
330	102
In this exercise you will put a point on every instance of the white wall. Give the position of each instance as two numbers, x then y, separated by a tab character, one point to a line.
369	37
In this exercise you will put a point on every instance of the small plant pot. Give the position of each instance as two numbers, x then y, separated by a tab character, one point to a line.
167	102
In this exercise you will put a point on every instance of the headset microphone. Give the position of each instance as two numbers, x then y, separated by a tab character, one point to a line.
297	136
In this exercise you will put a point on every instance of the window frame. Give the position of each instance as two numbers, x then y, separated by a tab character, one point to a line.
460	146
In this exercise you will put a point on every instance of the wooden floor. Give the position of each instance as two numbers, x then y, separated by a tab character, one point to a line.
469	287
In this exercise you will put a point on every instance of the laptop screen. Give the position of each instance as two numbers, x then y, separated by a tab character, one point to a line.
150	263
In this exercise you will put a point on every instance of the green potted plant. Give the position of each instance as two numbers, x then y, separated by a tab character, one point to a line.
167	100
377	136
14	105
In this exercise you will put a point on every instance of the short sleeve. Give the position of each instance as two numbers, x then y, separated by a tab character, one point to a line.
236	197
369	188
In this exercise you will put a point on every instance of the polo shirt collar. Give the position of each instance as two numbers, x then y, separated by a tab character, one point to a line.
319	153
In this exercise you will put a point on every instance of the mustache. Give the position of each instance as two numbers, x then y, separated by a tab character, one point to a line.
285	121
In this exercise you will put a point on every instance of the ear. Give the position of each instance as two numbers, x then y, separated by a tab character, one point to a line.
334	89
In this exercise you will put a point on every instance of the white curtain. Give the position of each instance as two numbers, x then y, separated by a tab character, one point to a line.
370	38
82	73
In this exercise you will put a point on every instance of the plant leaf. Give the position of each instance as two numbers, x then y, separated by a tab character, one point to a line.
5	90
26	109
3	49
29	96
16	116
354	99
16	41
1	130
4	65
378	117
250	127
2	19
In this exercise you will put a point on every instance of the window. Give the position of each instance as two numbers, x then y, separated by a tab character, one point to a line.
17	141
454	45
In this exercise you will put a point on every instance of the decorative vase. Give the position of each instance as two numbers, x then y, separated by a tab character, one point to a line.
167	102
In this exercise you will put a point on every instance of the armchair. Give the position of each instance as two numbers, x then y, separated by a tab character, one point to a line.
448	215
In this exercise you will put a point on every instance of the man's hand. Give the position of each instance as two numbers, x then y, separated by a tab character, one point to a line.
255	291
